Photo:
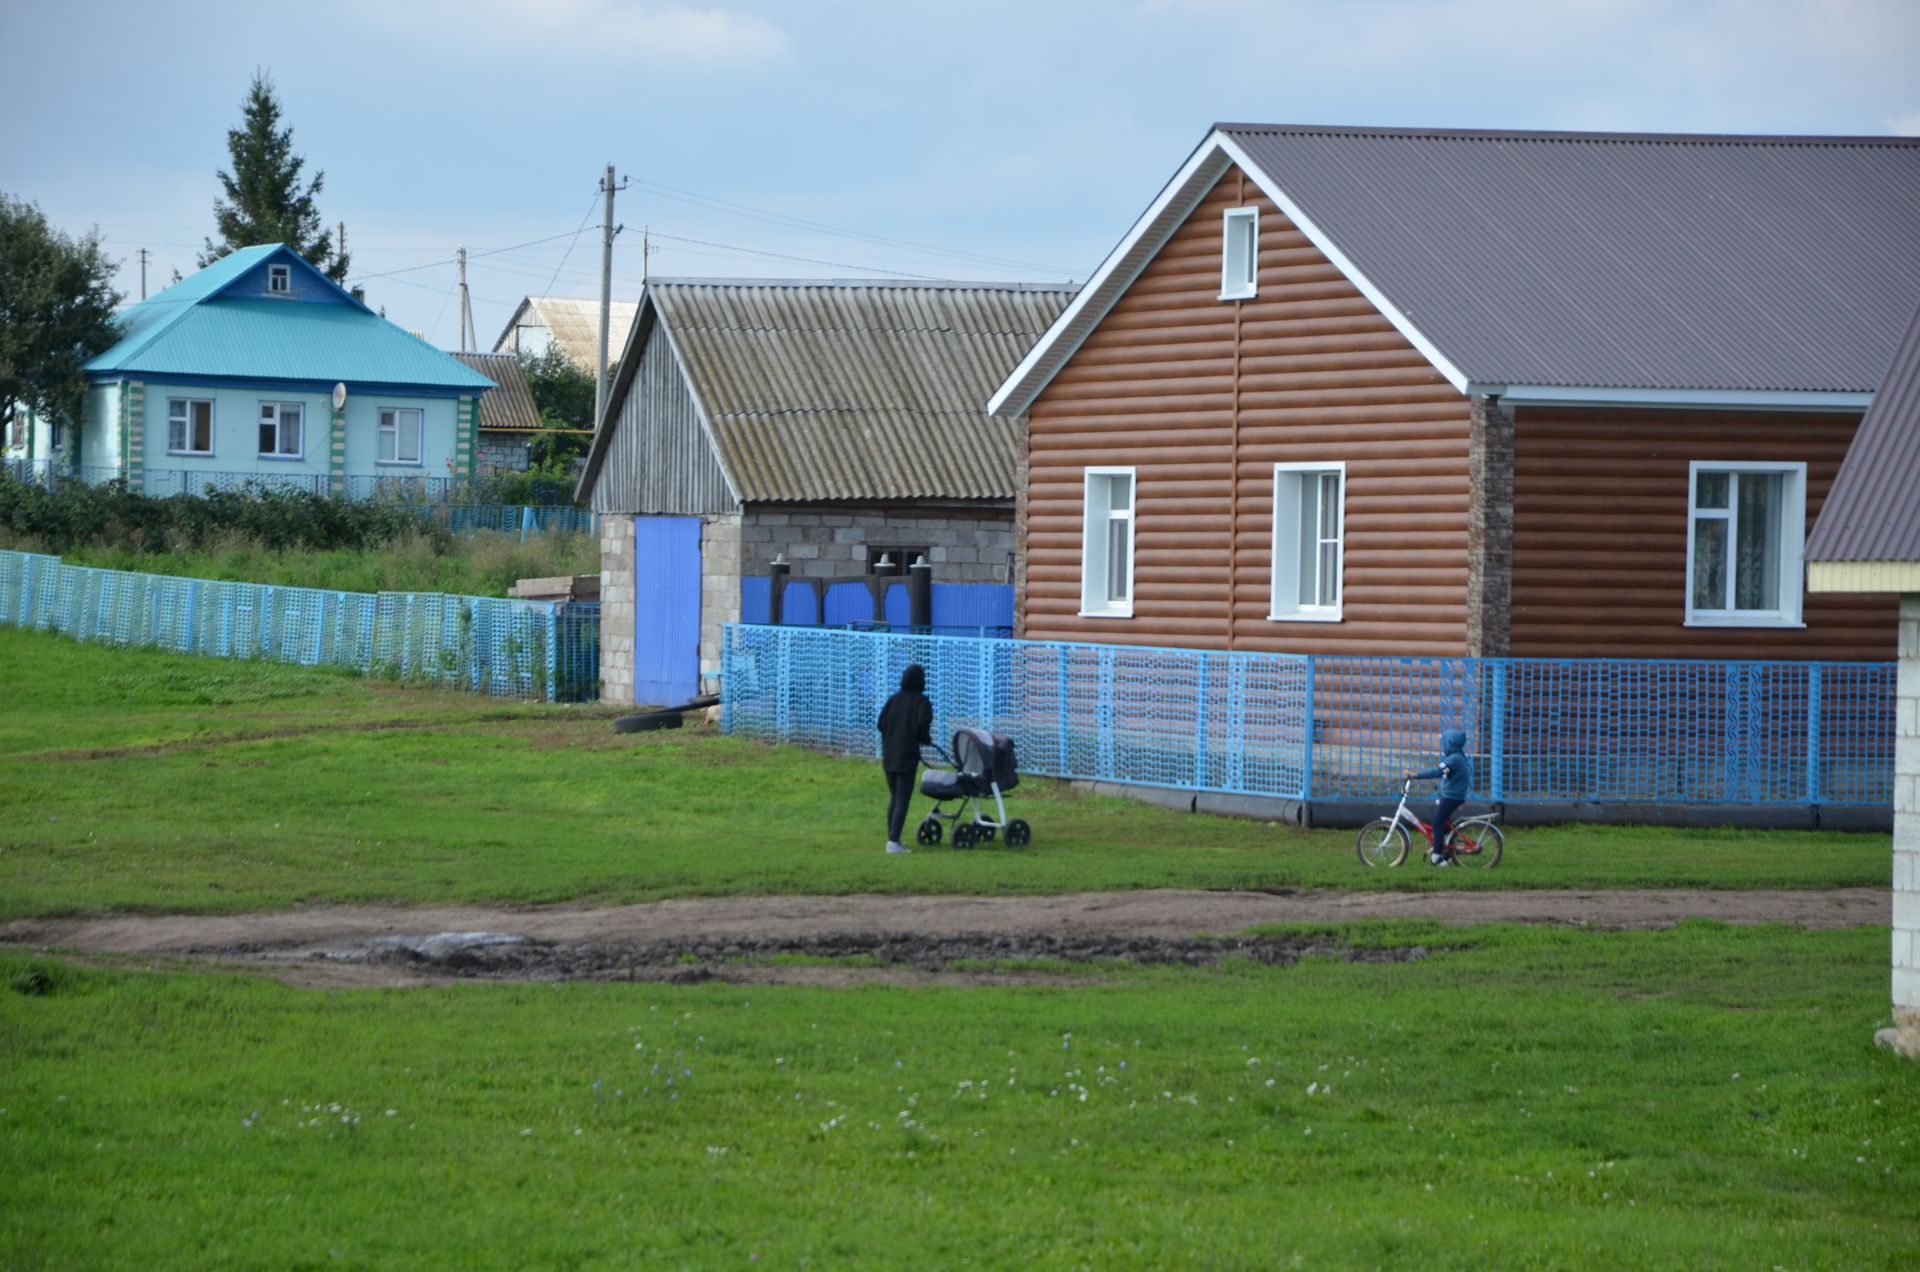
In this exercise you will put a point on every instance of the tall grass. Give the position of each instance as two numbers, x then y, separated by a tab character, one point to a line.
482	563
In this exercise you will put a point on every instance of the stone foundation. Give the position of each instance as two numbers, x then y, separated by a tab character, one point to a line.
501	453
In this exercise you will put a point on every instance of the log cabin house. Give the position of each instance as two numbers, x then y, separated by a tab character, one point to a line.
1425	392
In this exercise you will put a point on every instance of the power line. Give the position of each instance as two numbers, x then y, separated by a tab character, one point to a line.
741	209
409	269
576	239
810	260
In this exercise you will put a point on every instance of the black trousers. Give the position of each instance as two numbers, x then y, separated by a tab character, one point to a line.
1443	811
900	794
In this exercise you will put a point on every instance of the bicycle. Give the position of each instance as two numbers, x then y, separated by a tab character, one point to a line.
1472	841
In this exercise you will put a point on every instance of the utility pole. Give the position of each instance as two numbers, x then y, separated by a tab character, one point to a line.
143	272
466	303
607	230
646	251
342	228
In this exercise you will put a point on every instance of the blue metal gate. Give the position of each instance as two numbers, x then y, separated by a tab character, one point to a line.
666	609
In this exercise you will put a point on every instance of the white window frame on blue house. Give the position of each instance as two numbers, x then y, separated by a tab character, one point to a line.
392	437
279	280
1106	587
275	415
180	426
1720	516
1309	545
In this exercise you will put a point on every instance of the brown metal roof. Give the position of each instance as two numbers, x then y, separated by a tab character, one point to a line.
509	404
1605	267
828	390
1873	511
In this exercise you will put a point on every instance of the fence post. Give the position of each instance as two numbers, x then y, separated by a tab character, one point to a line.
1060	697
783	704
1236	723
1307	734
1200	723
1103	715
1813	734
1497	786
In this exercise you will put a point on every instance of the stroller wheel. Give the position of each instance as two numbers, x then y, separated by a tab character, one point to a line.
1019	834
928	833
966	835
986	834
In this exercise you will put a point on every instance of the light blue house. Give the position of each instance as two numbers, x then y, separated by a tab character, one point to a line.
261	369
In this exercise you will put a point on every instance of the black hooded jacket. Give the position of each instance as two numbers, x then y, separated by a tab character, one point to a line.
906	722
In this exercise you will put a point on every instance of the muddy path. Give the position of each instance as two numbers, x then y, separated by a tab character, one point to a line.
863	939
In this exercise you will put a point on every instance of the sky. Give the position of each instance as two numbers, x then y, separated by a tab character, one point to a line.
985	140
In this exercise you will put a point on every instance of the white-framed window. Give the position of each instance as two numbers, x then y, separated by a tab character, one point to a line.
1239	254
280	280
57	435
280	431
1746	526
17	430
1106	547
399	435
189	426
1309	541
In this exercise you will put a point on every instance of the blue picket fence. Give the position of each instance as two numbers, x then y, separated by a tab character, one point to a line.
530	650
1342	728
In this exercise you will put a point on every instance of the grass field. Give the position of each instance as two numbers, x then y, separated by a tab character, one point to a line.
481	563
1702	1097
142	781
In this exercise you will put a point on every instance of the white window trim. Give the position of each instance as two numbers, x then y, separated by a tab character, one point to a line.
1098	606
1247	286
279	407
211	427
419	437
1793	526
282	274
1296	613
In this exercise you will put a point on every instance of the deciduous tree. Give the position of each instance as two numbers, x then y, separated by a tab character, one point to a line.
56	310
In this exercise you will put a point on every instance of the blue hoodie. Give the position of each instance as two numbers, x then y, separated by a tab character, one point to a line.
1455	770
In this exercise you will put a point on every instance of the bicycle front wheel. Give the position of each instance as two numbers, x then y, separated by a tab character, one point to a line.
1478	844
1381	842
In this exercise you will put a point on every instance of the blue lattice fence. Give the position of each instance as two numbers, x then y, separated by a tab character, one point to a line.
1335	728
531	650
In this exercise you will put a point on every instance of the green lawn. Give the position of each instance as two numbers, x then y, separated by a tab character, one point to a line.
1702	1097
140	781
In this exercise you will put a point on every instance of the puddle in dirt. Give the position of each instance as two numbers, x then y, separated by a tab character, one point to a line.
515	956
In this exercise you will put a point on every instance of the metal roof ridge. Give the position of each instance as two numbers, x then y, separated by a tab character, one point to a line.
1571	135
924	284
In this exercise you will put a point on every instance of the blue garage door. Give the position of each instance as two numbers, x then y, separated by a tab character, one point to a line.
666	610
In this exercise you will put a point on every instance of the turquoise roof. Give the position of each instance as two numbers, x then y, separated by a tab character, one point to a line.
202	326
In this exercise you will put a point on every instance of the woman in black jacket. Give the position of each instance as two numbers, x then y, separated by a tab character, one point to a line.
906	723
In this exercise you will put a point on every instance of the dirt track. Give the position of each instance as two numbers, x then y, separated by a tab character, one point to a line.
907	939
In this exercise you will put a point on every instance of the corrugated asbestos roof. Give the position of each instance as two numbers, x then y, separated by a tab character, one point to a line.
1623	260
191	329
1873	511
828	390
509	403
574	325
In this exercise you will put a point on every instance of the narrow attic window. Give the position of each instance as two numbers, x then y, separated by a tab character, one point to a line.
1238	267
279	280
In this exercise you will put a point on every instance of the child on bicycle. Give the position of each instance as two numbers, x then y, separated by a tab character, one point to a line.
1455	772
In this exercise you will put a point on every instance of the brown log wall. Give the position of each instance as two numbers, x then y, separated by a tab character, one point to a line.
1600	535
1203	397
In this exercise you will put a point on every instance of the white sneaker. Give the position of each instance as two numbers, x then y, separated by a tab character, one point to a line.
894	845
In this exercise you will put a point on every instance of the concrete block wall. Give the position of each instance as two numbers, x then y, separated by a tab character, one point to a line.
1906	827
616	609
830	545
501	453
719	591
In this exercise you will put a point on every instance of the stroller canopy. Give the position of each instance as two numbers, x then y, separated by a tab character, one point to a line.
984	758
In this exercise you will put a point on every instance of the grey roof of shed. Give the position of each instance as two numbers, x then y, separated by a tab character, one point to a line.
1873	511
573	324
508	405
841	390
1611	266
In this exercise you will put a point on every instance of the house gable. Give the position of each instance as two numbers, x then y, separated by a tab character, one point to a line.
655	456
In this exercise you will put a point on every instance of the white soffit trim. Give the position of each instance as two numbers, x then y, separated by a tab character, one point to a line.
1697	399
1123	264
1319	238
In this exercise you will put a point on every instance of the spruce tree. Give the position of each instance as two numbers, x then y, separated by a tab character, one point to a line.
264	202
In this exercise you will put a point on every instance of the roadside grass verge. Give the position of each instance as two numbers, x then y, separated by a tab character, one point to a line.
1705	1096
142	781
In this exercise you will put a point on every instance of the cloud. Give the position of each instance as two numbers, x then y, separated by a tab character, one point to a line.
660	37
1905	125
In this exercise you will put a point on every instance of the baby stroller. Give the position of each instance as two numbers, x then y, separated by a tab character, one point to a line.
983	764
